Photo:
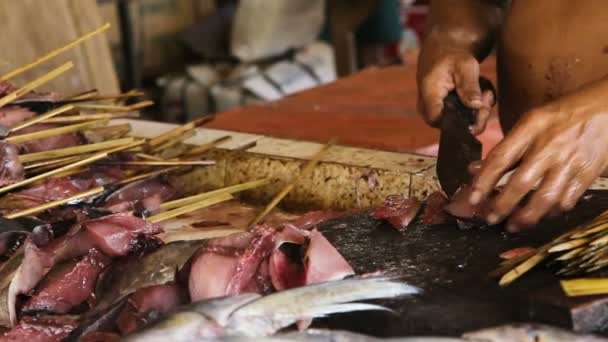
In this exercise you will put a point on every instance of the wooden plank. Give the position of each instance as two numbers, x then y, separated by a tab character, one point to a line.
41	34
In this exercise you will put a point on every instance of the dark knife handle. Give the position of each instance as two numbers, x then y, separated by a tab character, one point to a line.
452	102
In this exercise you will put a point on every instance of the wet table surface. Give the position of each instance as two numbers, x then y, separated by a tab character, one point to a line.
452	267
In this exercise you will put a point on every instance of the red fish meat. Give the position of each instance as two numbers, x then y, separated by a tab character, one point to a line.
149	303
517	252
49	143
59	292
41	329
114	235
398	210
147	194
434	213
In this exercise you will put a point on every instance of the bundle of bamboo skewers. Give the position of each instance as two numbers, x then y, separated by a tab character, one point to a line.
91	114
580	251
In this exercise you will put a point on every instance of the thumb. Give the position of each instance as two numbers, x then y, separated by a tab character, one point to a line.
466	79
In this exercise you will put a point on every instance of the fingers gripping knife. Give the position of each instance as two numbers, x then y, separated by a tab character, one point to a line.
458	147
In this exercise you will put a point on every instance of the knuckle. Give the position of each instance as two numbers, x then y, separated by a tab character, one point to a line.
548	196
522	185
528	217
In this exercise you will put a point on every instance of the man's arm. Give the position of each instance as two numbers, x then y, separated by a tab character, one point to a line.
463	25
460	33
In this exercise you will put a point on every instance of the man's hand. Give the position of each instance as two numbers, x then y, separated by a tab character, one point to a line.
560	148
454	71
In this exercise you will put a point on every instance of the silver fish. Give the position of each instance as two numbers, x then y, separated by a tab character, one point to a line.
321	335
528	332
253	315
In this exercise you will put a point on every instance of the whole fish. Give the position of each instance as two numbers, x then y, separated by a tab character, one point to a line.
321	335
528	332
253	315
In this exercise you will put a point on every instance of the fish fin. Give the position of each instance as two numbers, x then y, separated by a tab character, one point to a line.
318	312
268	314
328	293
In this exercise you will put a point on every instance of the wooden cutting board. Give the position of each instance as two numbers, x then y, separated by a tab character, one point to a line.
452	266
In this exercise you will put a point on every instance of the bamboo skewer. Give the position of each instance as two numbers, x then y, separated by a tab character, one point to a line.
116	108
50	162
84	95
307	170
43	117
85	194
185	135
74	150
55	131
56	203
125	147
104	133
522	268
147	174
36	178
189	208
87	117
49	165
148	157
35	84
580	250
230	190
160	163
198	150
94	97
176	132
568	245
55	52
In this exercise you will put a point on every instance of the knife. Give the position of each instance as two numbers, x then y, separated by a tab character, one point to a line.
458	147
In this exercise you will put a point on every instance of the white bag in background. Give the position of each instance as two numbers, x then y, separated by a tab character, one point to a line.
266	28
311	66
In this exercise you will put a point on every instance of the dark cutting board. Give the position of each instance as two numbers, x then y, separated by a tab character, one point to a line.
451	266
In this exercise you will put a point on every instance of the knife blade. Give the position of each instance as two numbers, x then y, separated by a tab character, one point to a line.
458	147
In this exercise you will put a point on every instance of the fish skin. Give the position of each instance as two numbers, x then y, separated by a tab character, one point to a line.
124	278
528	332
253	315
154	268
8	269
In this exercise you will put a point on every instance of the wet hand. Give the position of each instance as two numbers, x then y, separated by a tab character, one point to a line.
454	71
560	149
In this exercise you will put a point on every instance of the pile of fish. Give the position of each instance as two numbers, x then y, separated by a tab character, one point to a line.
58	289
97	268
